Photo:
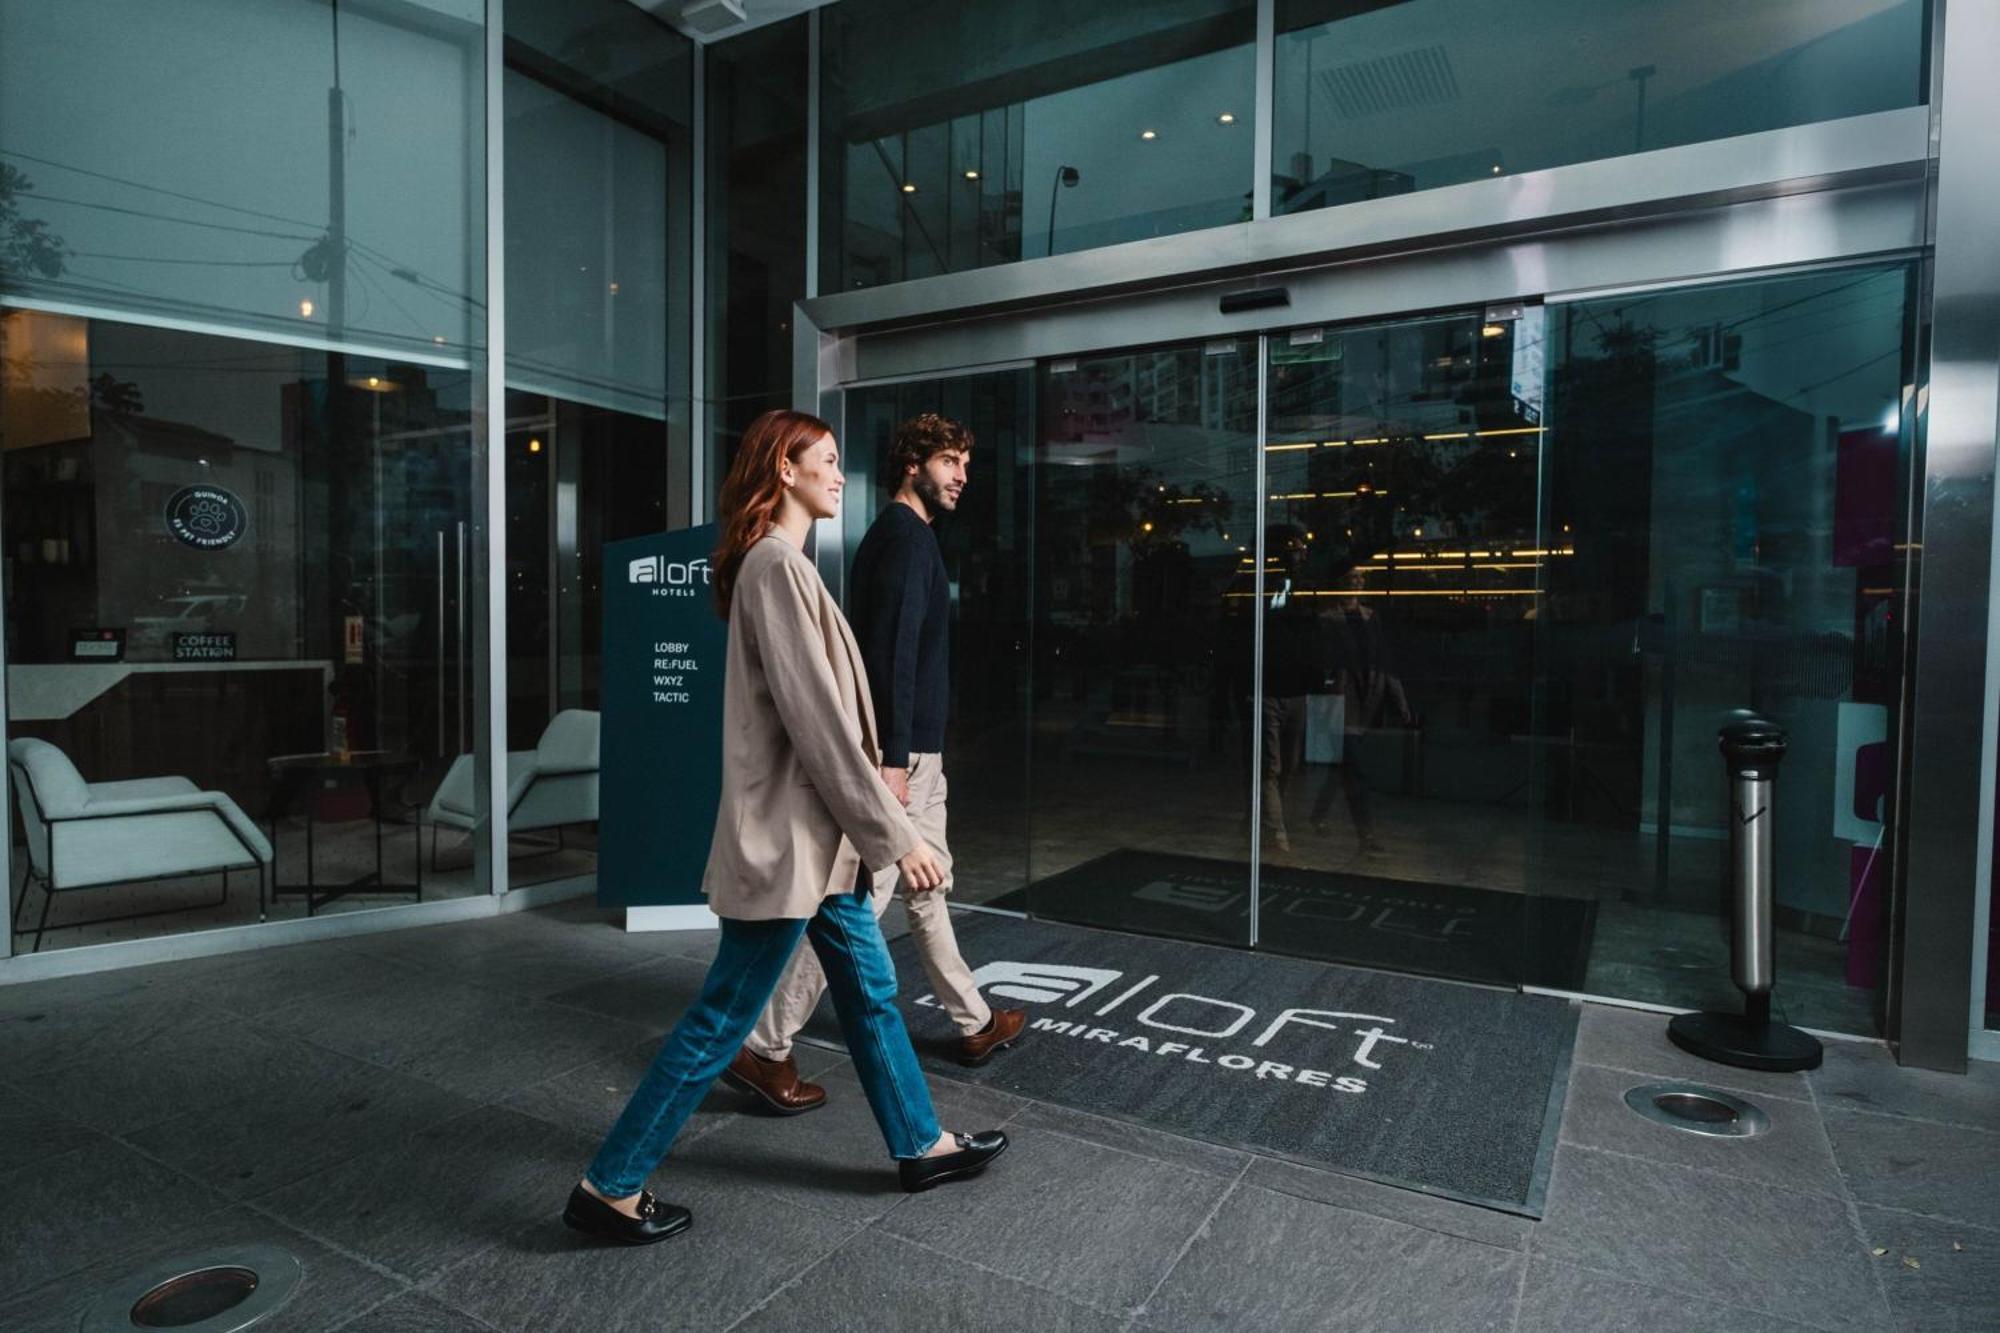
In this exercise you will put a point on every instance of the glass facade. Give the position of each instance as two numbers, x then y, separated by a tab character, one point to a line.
962	135
241	371
599	220
1378	98
757	126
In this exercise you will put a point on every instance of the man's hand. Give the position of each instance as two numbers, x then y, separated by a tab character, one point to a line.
920	868
898	780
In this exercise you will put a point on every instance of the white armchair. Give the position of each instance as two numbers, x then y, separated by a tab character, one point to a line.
93	835
548	787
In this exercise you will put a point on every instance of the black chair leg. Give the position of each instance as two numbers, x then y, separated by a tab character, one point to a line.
48	901
21	898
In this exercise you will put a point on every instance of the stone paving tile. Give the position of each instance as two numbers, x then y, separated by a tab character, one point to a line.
98	1204
32	1133
1942	1170
412	1312
1277	1263
296	1119
1937	1275
1560	1299
878	1284
652	996
427	1200
1775	1251
1096	1224
1860	1076
742	1246
476	1042
107	1029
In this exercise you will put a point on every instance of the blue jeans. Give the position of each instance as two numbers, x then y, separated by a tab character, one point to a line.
746	969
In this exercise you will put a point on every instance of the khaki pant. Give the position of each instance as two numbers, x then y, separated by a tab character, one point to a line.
930	925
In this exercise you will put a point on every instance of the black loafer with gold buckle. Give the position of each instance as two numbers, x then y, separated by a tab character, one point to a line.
974	1152
656	1221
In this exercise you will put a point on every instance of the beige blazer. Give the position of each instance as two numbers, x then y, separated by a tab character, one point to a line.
804	806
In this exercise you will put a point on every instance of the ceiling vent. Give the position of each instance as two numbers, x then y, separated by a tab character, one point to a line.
709	17
1388	83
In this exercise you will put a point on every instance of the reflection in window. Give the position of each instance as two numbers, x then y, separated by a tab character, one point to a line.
316	178
965	135
1378	98
599	110
1731	464
240	568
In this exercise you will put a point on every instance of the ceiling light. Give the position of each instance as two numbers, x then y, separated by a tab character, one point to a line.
1496	168
305	310
909	188
971	175
1492	330
1149	135
534	446
1227	118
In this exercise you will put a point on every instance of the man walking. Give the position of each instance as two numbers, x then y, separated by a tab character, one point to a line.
900	607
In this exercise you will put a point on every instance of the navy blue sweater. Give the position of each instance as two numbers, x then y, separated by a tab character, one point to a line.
900	606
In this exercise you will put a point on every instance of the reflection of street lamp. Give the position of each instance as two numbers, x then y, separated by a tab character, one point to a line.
1639	74
1066	177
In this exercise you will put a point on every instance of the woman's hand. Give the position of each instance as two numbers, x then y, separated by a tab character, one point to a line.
920	869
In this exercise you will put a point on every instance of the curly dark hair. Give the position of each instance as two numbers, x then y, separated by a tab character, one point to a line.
917	441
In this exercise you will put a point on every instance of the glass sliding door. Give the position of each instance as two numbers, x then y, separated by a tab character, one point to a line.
988	545
1731	466
1145	595
1403	564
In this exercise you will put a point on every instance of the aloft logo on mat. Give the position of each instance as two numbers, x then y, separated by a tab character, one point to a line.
1363	1038
670	578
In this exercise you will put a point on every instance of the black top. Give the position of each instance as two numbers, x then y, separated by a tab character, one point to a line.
900	606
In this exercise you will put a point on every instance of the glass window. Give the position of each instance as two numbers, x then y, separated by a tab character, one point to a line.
1728	472
757	126
963	135
241	324
599	210
261	167
1382	97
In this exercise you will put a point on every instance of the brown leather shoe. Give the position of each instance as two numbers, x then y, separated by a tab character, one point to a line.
775	1082
1000	1031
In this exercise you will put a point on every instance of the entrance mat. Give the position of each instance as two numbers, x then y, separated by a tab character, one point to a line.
1450	1089
1441	930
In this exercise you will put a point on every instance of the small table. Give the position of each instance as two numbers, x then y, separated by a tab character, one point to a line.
291	772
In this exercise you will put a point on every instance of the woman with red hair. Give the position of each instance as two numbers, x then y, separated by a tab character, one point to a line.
805	817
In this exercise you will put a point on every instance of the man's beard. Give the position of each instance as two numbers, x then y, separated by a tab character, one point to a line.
932	494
